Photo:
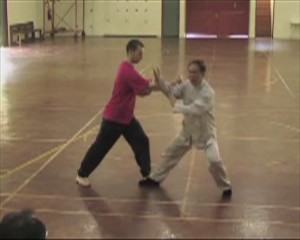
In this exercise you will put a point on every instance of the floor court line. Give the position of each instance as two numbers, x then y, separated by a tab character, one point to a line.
161	217
280	77
188	184
163	202
261	111
291	128
254	138
28	163
39	157
10	139
209	74
48	152
60	149
284	83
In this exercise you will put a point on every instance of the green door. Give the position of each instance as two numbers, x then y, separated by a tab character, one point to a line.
3	23
170	18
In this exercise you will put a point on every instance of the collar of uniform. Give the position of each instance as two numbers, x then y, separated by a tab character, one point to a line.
201	85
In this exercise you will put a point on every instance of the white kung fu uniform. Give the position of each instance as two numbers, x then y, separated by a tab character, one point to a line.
198	130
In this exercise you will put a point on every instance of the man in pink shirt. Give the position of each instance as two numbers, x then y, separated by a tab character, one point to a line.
118	118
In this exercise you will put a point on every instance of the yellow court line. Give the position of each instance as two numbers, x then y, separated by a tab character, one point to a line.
45	154
188	184
145	68
27	163
36	159
89	132
49	140
160	217
61	148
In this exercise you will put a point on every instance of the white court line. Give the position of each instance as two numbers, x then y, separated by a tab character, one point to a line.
174	218
154	201
284	82
241	138
212	64
256	111
285	126
280	77
160	217
188	184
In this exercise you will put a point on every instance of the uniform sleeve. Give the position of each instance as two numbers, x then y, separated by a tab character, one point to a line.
197	107
168	89
137	82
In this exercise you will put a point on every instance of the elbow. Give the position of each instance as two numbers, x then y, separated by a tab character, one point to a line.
177	96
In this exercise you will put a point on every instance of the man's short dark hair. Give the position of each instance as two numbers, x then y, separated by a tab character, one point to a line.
22	225
133	45
200	64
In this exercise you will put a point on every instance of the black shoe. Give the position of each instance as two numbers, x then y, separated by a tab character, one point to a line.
148	182
227	193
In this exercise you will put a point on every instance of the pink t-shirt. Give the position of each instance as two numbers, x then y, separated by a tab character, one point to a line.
127	85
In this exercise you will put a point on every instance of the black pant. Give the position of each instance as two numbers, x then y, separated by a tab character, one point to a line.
108	135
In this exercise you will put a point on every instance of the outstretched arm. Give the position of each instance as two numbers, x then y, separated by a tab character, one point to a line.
170	90
147	91
141	85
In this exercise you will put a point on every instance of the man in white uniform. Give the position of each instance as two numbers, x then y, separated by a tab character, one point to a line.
198	127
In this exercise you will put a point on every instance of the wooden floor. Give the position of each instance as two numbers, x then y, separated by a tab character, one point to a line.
52	95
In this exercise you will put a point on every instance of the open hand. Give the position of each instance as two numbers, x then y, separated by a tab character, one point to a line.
157	76
179	79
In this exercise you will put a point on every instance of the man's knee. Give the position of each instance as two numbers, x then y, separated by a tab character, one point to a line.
213	155
143	140
214	159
